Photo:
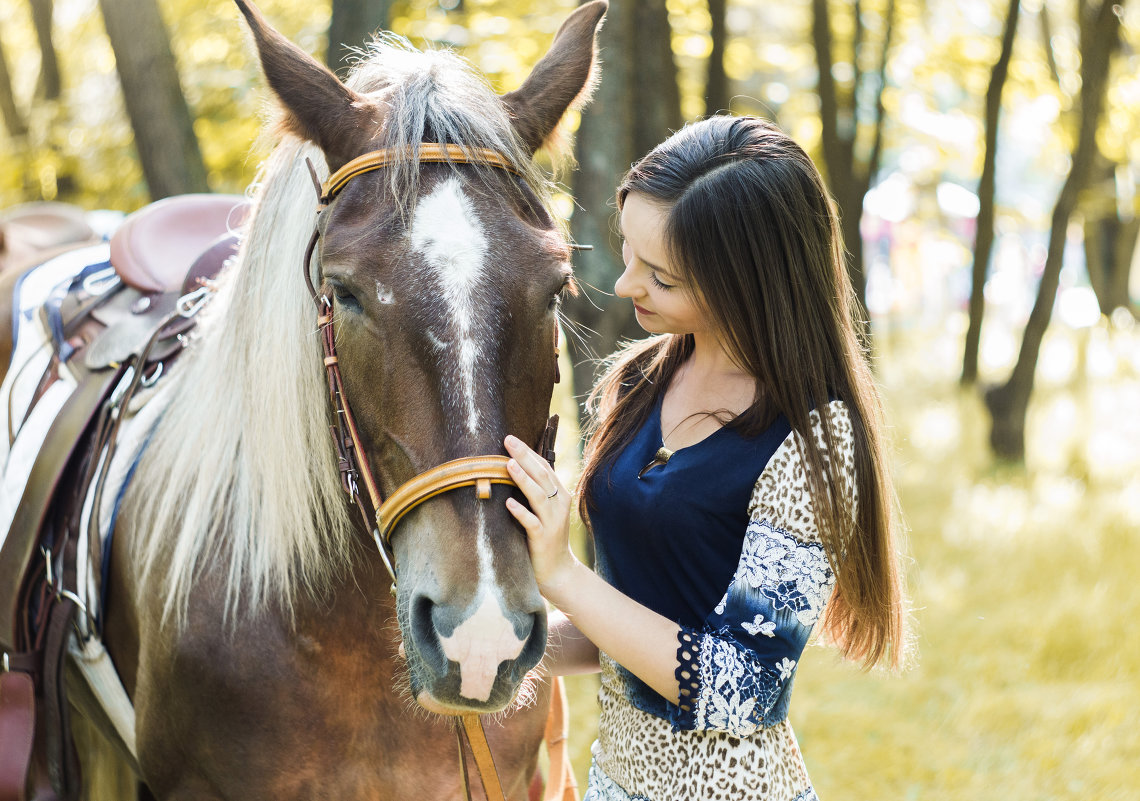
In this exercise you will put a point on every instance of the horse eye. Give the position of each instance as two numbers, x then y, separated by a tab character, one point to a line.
556	298
346	299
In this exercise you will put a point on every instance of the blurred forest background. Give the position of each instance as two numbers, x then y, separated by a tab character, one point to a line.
985	158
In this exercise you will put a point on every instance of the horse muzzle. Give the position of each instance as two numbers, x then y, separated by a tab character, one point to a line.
472	658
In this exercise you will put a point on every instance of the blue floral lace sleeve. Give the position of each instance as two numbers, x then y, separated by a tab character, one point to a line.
736	671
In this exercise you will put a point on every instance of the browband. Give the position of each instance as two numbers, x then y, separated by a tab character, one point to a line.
431	152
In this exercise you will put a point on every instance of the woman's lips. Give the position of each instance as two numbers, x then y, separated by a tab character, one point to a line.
640	310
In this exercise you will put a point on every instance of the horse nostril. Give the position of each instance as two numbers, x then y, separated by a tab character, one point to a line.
535	642
425	637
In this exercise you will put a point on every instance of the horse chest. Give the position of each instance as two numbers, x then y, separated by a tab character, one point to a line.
320	711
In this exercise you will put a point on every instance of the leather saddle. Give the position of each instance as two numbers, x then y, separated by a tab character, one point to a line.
115	328
32	233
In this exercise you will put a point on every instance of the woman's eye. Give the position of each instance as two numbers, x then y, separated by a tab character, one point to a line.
657	282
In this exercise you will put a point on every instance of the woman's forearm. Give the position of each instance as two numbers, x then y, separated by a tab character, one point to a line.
639	639
568	651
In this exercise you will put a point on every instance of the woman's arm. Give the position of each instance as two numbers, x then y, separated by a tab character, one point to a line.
639	639
731	673
568	651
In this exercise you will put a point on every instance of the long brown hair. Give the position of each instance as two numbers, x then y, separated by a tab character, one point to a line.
751	227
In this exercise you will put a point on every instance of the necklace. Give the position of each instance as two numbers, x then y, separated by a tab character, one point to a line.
660	458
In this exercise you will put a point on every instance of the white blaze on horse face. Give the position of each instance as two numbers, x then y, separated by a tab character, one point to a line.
448	233
480	644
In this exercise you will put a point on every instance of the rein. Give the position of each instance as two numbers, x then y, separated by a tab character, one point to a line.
477	471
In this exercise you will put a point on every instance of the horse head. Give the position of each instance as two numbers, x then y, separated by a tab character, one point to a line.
444	282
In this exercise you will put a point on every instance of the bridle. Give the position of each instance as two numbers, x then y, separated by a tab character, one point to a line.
477	471
471	471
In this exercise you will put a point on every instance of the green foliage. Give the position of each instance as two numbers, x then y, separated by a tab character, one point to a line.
80	148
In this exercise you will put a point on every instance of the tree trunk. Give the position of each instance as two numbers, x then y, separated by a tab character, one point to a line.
652	76
49	83
606	146
1122	259
351	24
13	120
984	238
717	97
1109	246
163	128
1008	404
848	177
1047	43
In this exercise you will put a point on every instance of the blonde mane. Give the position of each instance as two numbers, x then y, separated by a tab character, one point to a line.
240	470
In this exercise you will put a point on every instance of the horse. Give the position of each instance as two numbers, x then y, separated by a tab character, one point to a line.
248	609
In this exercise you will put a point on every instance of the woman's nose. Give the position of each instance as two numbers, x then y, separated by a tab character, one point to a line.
625	283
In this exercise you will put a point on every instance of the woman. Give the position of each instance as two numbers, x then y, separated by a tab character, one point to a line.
735	482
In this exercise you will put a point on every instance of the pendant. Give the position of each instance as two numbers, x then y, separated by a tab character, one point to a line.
660	458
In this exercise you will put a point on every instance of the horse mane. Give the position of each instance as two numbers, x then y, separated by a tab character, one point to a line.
240	470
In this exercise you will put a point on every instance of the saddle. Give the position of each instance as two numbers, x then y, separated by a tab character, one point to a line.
114	329
33	232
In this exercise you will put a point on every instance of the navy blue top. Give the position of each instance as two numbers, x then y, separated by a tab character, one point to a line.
745	585
671	540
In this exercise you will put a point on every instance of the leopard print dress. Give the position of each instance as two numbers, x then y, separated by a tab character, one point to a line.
729	738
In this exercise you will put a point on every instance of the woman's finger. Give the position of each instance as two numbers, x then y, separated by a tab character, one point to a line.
525	517
530	488
535	466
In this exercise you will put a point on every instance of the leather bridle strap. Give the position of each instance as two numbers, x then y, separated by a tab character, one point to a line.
471	726
472	471
428	152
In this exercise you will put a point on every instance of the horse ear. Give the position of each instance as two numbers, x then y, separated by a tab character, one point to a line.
317	106
563	79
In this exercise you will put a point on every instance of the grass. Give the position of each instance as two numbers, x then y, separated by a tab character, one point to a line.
1024	586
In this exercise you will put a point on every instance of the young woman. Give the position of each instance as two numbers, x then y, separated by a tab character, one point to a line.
735	482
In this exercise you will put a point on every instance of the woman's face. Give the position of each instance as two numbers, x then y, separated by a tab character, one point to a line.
662	300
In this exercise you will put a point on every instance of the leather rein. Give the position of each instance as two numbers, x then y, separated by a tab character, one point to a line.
471	471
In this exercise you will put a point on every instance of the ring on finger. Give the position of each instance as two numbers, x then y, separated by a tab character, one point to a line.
551	495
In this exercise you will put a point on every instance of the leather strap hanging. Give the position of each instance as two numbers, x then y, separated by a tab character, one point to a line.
17	730
470	727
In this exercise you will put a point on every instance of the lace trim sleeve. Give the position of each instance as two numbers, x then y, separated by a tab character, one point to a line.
687	674
724	687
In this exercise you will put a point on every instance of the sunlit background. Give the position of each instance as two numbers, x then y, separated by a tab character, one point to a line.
1022	574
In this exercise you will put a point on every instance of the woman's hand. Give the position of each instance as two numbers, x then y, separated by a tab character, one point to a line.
547	522
641	640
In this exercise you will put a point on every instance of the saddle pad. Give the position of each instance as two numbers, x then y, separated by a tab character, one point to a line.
31	355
